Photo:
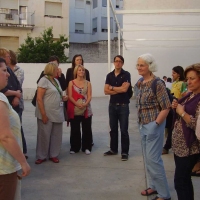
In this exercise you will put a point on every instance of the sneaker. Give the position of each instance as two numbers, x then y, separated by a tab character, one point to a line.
87	152
109	153
165	151
72	152
124	157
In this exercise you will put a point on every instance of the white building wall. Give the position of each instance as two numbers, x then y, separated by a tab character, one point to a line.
32	72
170	47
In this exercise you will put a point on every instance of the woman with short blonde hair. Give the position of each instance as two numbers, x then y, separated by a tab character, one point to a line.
50	115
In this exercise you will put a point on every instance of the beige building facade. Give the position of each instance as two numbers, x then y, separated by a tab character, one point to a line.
21	17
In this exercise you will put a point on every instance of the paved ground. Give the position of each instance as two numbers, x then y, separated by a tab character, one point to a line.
90	177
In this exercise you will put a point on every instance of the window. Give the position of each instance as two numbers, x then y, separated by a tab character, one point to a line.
117	3
79	4
104	24
104	3
53	9
79	28
9	42
116	27
94	25
95	4
23	12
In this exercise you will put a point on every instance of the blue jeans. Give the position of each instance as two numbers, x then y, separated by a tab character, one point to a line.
119	113
152	144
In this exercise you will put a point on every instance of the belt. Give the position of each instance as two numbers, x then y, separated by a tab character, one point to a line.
118	104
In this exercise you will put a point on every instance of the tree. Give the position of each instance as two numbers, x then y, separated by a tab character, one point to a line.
38	50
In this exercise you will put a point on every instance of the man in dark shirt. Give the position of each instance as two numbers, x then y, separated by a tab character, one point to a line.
117	84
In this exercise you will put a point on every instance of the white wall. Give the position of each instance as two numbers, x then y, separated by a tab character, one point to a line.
32	71
168	46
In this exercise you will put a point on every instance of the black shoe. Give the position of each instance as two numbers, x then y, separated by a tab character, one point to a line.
124	157
109	153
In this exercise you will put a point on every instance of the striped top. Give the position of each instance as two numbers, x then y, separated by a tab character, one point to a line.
8	164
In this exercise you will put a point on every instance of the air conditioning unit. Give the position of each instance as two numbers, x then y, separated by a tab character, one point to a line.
88	2
8	16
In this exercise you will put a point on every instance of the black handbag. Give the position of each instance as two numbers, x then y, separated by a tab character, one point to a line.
34	99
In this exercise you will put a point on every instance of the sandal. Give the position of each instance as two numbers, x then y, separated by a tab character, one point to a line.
147	193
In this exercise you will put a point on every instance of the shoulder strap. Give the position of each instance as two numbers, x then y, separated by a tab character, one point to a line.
154	85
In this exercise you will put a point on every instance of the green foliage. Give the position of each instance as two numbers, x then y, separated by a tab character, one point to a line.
38	50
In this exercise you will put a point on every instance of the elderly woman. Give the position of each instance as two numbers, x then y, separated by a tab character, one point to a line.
185	145
11	156
79	111
152	112
50	115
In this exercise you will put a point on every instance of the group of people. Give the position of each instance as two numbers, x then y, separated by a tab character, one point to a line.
12	142
152	113
68	99
58	100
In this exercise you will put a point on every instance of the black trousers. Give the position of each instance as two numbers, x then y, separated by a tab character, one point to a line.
182	177
75	138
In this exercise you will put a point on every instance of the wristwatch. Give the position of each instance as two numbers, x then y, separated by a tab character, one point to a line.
183	114
112	88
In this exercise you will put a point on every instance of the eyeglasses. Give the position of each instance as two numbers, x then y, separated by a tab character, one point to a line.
118	61
140	65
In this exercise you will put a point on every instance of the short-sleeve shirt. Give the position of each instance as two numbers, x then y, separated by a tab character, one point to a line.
8	164
150	104
51	100
117	81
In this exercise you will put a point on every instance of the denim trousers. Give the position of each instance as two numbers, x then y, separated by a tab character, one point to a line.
182	176
152	143
119	113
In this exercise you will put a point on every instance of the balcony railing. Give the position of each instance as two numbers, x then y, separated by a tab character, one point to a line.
23	20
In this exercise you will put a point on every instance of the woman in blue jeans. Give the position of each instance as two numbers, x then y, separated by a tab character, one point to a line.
152	112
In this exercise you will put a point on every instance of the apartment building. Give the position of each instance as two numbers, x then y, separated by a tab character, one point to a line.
88	20
21	17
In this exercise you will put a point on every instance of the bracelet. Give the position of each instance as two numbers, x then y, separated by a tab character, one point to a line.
183	114
112	88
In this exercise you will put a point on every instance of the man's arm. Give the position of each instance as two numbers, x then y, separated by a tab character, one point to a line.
108	91
121	89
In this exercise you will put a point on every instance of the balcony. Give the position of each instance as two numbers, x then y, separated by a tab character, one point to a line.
22	21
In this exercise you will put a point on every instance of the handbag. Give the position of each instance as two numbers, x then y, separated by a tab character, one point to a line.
77	110
34	99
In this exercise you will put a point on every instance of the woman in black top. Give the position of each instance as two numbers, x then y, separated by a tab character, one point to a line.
77	60
60	77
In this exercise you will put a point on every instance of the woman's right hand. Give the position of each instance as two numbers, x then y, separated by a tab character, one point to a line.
44	119
174	104
25	169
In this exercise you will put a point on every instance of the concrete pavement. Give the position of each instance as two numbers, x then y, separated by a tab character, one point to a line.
90	177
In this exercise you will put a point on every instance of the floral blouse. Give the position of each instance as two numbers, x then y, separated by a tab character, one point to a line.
178	141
